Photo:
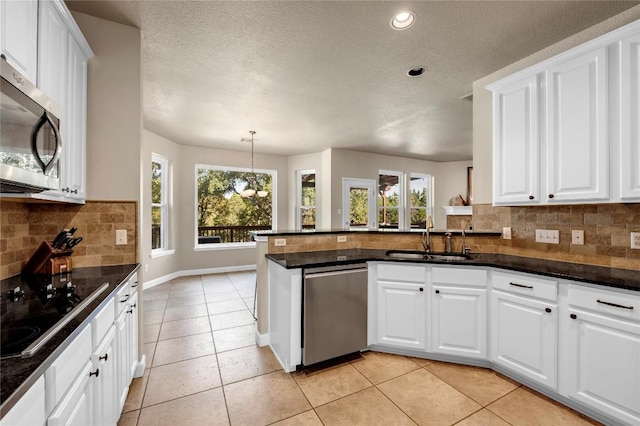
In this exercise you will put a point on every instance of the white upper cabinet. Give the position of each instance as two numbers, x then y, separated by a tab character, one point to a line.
629	158
569	126
516	150
52	54
18	35
577	142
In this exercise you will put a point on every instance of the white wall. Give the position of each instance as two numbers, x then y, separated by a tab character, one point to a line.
451	181
114	109
482	100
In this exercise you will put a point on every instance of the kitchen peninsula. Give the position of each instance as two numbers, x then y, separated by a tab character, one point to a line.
541	322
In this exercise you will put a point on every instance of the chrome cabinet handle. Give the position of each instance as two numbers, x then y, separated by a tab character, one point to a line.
615	305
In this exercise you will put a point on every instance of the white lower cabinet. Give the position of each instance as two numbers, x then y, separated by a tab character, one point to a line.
604	352
459	312
126	329
106	410
30	409
76	408
524	326
401	306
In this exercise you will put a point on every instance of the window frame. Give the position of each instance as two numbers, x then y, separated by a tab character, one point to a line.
430	197
163	205
401	198
299	206
240	245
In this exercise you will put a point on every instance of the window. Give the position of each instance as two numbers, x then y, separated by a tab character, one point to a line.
159	203
420	199
231	202
390	200
306	199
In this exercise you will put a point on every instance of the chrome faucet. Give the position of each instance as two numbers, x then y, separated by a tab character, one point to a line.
465	250
426	235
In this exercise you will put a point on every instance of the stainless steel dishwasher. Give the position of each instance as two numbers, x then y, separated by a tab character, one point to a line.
334	312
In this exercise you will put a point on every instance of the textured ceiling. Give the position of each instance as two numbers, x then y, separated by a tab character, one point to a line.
309	75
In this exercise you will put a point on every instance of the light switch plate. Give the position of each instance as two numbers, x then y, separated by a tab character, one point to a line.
121	237
280	242
506	233
342	238
635	240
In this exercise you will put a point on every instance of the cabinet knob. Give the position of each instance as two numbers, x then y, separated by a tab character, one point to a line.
130	311
94	373
547	310
103	358
421	289
573	316
550	195
134	305
531	197
437	291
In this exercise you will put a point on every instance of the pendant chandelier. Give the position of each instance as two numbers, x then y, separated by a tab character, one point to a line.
248	191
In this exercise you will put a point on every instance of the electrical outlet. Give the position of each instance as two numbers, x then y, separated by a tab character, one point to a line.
342	238
280	242
341	258
541	236
506	233
577	237
121	237
635	240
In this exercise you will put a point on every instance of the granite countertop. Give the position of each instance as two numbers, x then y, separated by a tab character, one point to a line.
601	275
18	374
369	231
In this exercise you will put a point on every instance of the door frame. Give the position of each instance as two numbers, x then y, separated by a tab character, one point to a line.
370	185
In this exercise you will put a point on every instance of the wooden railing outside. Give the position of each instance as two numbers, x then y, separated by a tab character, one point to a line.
228	234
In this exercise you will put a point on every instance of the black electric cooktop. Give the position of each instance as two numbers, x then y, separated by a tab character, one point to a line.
34	307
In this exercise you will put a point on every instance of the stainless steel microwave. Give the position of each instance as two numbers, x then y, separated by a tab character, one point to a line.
30	142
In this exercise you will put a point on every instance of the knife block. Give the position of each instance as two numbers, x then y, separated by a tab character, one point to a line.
48	260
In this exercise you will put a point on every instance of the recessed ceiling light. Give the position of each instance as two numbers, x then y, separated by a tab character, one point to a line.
416	72
403	20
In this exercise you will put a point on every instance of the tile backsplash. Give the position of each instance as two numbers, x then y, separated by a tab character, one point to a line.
23	226
606	227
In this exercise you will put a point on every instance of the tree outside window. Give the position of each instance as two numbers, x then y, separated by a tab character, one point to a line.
390	200
421	199
159	202
223	215
306	199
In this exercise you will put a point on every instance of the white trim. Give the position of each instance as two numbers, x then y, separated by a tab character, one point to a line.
299	174
261	339
368	184
224	246
190	272
160	253
140	366
401	207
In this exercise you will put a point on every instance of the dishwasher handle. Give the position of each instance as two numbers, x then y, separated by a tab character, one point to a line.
343	272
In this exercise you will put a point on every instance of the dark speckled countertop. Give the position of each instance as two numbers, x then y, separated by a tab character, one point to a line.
18	374
600	275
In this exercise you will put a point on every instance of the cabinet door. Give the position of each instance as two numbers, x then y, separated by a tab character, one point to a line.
516	143
459	321
74	124
30	409
76	408
132	332
604	360
523	336
52	54
577	141
105	397
122	359
19	35
629	122
401	315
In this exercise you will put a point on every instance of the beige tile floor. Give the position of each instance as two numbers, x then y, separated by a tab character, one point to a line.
205	369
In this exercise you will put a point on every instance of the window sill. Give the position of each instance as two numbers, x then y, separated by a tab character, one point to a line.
223	246
161	253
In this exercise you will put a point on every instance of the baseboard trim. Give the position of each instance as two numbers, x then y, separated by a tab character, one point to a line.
262	339
190	272
140	366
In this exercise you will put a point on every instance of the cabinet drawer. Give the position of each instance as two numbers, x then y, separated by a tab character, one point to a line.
526	285
101	323
605	301
457	275
66	367
404	273
122	297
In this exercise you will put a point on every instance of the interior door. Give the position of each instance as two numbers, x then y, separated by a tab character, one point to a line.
358	203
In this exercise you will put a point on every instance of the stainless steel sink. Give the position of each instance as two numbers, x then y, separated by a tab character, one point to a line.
445	257
407	254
